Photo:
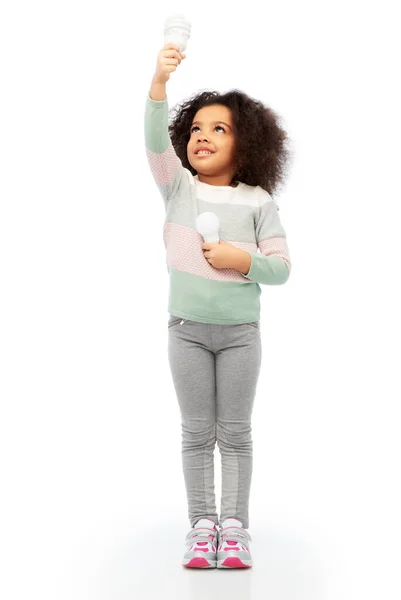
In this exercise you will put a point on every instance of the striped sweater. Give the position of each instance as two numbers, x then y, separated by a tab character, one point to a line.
248	220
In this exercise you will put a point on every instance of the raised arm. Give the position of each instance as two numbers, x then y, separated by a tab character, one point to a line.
165	166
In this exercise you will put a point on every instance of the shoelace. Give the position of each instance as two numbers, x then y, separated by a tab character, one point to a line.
198	534
234	533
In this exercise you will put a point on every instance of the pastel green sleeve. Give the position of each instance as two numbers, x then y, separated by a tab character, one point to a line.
157	138
268	270
272	265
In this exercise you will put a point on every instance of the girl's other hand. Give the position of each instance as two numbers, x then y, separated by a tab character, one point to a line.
223	255
168	60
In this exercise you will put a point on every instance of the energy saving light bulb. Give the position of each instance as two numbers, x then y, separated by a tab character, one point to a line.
207	224
177	31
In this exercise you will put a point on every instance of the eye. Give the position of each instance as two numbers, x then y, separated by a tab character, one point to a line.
196	127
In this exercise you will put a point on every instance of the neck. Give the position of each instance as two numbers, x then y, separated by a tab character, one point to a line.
218	180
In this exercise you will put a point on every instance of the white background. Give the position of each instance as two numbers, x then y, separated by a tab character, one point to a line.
92	501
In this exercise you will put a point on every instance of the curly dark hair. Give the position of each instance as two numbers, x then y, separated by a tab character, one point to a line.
262	145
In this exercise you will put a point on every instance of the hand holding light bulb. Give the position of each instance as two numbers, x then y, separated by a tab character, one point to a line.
218	253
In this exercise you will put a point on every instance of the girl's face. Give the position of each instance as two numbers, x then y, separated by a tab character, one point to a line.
212	128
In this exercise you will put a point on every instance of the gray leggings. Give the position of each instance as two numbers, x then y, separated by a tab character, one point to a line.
215	369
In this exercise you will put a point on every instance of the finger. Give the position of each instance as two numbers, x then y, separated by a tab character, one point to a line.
170	45
171	61
173	48
172	53
174	57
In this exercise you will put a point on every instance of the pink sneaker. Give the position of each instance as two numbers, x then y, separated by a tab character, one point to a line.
201	545
233	546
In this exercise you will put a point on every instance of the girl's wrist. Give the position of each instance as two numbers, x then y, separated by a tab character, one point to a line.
243	261
157	90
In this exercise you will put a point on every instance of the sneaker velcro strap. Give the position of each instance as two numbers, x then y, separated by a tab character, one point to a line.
199	534
234	533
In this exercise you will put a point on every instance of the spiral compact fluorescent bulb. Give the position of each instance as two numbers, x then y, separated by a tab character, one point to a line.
207	224
177	31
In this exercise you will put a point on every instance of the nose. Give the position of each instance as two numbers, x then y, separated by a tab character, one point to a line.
202	138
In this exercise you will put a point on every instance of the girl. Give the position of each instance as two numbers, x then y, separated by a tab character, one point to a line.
226	154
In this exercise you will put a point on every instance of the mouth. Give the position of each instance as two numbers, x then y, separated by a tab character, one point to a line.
203	153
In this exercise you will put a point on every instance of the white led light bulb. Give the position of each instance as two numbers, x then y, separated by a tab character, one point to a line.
207	224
